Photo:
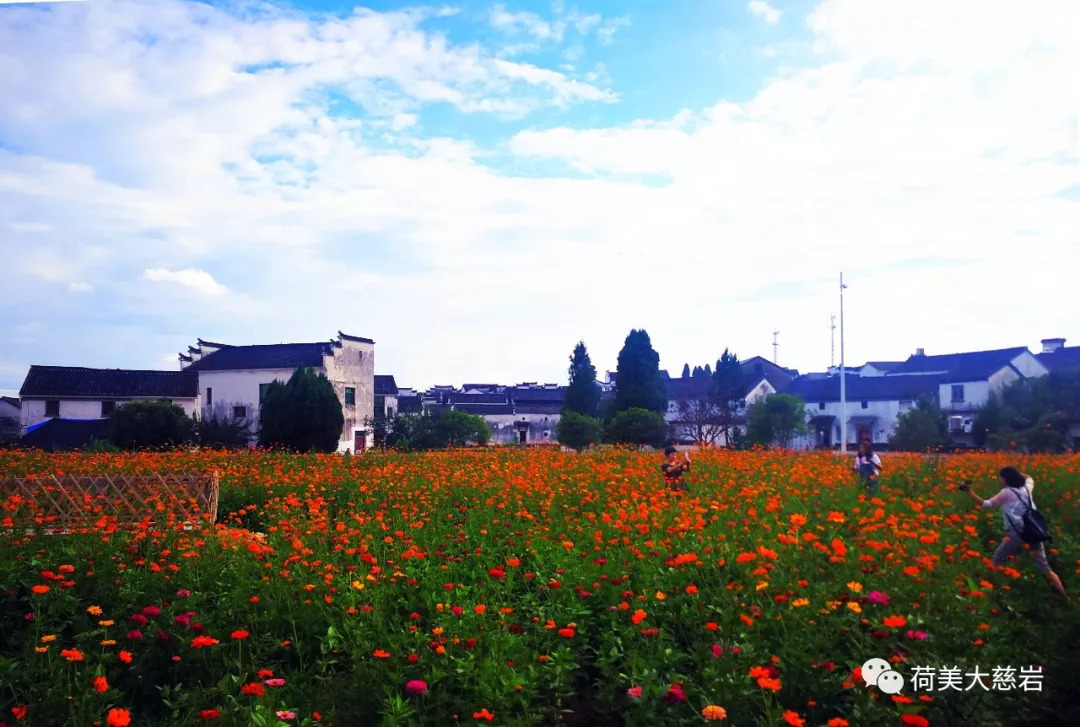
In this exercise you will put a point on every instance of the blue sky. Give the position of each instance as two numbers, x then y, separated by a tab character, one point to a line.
477	185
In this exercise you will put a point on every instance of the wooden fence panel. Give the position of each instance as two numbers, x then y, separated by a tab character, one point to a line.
74	500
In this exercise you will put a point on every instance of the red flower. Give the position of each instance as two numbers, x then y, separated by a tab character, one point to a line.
19	711
380	654
484	715
675	694
915	720
634	692
125	656
101	684
200	642
416	686
254	688
566	633
209	714
152	611
793	719
497	573
118	718
239	635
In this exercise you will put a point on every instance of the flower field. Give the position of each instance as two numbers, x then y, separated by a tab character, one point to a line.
506	586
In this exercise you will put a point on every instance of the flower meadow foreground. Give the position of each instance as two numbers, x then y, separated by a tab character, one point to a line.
532	587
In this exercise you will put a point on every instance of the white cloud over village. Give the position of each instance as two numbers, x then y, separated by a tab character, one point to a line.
162	148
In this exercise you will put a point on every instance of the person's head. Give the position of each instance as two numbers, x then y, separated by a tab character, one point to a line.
1011	477
670	452
865	447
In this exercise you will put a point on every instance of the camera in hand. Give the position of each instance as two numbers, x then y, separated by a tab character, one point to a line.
966	486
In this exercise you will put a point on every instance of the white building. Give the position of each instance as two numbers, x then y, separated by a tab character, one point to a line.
75	392
232	380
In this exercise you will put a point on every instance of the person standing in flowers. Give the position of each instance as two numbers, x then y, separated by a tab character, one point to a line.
1013	500
673	468
868	465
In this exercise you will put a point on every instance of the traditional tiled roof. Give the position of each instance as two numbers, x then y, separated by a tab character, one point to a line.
869	388
485	409
410	404
518	393
385	385
460	398
271	356
884	365
537	407
973	366
75	381
1063	359
358	339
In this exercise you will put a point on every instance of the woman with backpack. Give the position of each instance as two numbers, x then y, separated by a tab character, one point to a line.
1017	507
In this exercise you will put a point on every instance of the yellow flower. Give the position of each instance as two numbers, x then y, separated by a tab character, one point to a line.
358	585
855	586
762	585
800	602
854	606
833	605
660	596
94	610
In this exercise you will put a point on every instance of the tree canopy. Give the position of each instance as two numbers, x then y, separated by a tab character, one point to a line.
638	384
921	428
776	419
582	395
149	425
303	414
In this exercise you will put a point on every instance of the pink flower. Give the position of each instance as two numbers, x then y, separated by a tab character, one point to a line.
151	611
134	635
917	635
717	650
139	619
183	619
878	597
285	715
675	694
275	682
634	692
416	686
183	593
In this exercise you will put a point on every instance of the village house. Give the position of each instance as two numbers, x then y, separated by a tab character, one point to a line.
10	418
76	392
233	380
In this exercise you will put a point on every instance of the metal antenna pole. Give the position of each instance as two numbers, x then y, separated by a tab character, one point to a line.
843	375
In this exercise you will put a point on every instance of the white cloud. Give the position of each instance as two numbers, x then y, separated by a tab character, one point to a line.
530	23
146	149
19	226
762	9
198	280
80	287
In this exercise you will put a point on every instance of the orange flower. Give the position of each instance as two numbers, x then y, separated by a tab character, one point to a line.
380	654
479	609
253	689
484	714
837	722
793	719
118	718
125	656
638	616
566	633
40	589
895	622
94	611
713	712
240	635
101	684
72	654
203	641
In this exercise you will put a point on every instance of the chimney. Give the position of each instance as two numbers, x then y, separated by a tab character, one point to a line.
920	351
1052	344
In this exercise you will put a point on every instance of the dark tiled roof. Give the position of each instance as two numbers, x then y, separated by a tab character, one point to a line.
520	394
61	381
385	385
410	405
11	400
272	356
538	407
58	434
973	366
358	339
691	388
885	365
1062	359
466	387
211	344
485	409
869	388
459	398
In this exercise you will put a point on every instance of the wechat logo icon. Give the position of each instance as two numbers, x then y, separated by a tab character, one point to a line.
878	673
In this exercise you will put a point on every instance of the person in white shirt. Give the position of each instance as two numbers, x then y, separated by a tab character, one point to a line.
868	465
1014	499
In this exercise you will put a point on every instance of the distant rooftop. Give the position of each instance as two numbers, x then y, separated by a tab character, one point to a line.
78	381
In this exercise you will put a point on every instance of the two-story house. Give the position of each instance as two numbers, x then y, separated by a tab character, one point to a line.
233	380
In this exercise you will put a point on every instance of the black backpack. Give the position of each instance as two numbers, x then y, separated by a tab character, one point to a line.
1035	529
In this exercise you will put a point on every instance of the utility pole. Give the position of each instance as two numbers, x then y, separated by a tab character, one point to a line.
775	346
843	376
832	340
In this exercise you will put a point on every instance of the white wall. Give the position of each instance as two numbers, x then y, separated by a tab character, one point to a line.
976	393
353	365
33	410
886	413
1030	366
236	388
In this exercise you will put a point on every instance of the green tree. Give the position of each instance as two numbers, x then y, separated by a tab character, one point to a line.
582	395
222	433
577	430
457	429
303	414
638	384
776	419
1032	415
922	428
637	426
149	425
728	391
686	371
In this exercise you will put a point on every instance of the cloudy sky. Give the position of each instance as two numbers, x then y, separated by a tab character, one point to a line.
478	185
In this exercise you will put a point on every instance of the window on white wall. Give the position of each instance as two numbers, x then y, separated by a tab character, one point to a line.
239	412
957	393
52	408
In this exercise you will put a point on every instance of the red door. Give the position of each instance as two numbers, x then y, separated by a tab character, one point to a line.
360	443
